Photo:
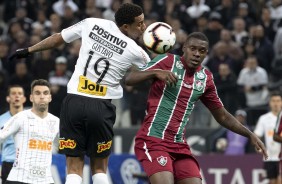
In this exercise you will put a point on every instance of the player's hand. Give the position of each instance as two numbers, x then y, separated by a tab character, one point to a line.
259	146
167	76
20	53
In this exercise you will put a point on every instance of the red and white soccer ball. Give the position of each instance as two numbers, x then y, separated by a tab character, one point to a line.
159	37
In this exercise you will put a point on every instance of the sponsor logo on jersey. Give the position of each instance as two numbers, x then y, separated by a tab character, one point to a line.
71	144
40	145
88	87
108	40
179	65
104	146
200	75
199	85
37	171
162	160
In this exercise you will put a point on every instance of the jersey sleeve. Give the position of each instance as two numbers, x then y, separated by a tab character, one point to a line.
9	128
73	32
142	58
259	128
162	61
210	98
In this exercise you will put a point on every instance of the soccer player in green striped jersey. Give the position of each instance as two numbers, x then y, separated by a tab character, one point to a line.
177	83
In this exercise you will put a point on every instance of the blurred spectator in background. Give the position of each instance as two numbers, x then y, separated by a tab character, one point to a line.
275	8
269	24
43	64
253	81
68	18
197	9
214	28
231	143
243	12
11	6
239	32
23	78
109	13
227	10
74	49
60	5
234	51
220	56
226	86
265	128
5	64
263	48
4	82
237	144
58	79
43	22
22	19
55	23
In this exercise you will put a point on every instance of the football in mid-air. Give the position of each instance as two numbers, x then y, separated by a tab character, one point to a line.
159	37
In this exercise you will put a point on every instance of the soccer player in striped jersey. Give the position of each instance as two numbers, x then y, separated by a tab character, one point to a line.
36	135
177	83
278	137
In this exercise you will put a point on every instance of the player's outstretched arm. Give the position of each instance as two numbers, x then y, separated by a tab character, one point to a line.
135	76
50	42
224	118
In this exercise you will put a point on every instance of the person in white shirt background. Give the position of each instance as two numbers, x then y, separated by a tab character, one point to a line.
265	128
16	99
36	135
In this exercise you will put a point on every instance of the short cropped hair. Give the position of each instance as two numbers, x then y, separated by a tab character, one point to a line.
14	86
275	93
197	35
40	82
126	13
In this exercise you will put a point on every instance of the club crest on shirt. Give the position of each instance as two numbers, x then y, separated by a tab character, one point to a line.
162	160
200	75
179	65
199	85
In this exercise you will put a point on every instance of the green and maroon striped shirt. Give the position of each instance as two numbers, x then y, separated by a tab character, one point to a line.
169	108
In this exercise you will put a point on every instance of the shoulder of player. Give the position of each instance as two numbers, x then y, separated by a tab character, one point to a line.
265	116
5	115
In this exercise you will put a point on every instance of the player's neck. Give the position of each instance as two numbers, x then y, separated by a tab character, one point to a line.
41	114
14	110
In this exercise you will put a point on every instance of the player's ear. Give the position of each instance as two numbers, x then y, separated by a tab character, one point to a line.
31	98
8	99
124	27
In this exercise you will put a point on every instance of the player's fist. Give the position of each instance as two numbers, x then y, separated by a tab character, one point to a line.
20	53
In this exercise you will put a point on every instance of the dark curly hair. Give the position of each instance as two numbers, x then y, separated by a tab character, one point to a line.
197	35
126	13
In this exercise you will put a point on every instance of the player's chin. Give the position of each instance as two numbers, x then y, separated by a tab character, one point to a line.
193	66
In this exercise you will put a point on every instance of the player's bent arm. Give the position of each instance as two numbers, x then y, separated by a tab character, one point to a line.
224	118
136	76
10	128
50	42
277	138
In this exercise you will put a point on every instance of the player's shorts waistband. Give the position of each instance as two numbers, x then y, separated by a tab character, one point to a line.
86	97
